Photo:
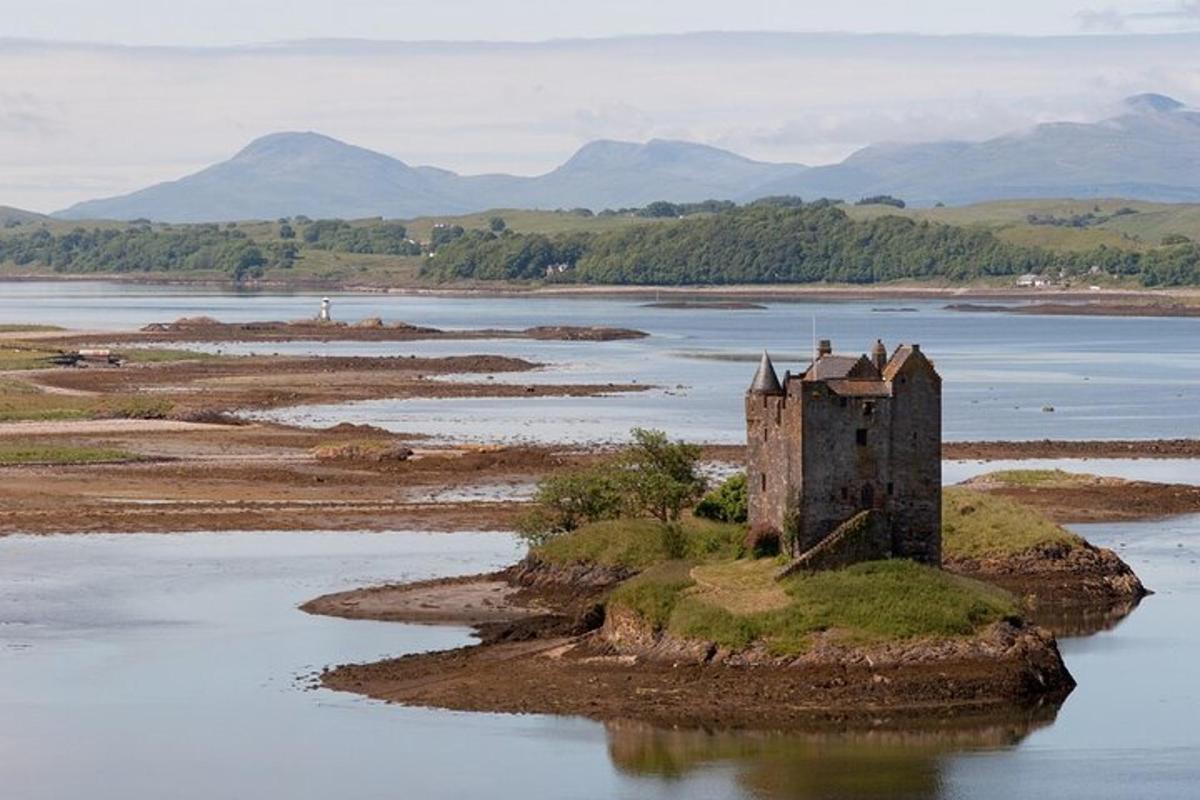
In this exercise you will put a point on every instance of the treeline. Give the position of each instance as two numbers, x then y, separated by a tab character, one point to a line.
784	241
382	238
142	249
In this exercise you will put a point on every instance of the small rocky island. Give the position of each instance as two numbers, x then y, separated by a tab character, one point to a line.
370	329
832	582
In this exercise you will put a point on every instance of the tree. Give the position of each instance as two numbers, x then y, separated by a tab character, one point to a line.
497	225
726	503
660	478
567	500
286	231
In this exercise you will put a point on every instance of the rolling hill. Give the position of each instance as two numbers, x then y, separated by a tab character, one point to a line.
1150	152
283	174
12	217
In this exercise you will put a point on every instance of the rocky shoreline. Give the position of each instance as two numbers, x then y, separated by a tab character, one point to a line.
549	645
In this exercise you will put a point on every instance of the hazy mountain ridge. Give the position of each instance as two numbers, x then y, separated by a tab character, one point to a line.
1151	151
282	174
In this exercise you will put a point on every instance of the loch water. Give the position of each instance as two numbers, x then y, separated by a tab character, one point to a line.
142	667
1005	376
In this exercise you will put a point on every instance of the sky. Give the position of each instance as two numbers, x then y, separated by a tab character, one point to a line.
101	98
215	22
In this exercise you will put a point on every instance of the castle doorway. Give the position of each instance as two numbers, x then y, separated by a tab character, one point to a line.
868	496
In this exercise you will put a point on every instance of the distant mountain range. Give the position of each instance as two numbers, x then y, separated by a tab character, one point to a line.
1151	151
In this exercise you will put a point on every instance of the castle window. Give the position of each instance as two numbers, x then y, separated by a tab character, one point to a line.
845	493
860	436
868	408
842	402
891	488
766	433
764	481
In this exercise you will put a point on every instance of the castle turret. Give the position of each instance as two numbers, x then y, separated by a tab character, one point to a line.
765	380
879	355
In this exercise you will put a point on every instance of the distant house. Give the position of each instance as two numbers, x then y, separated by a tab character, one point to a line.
1033	281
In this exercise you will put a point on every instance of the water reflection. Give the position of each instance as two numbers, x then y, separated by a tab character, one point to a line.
882	763
1083	620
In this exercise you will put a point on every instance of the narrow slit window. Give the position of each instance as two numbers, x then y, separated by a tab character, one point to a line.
764	481
860	436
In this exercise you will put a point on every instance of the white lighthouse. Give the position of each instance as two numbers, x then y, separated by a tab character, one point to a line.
324	315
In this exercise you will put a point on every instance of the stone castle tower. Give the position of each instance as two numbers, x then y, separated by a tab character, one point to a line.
852	434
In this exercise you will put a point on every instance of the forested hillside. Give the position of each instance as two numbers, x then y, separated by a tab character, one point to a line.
778	240
784	241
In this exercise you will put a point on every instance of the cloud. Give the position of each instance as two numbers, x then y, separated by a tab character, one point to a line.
1182	15
107	120
1106	19
21	113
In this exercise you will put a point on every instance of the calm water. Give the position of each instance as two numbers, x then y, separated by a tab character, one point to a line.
148	666
1104	377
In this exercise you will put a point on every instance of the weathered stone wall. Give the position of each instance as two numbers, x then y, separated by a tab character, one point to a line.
864	537
843	473
916	424
771	426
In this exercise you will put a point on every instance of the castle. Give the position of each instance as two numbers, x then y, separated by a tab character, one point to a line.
852	439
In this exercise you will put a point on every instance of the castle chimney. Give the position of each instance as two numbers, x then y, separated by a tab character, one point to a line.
824	348
879	355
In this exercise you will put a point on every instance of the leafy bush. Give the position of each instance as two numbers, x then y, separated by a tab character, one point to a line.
654	477
763	542
728	502
567	500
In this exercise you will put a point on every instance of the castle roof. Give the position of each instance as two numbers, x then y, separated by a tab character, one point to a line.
854	387
829	367
765	380
899	358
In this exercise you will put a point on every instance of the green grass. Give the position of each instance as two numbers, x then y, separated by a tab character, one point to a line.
24	402
980	525
871	602
162	355
29	328
26	453
21	356
1007	218
654	593
1036	477
640	543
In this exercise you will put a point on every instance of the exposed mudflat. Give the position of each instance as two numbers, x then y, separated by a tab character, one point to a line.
1055	448
205	329
1036	448
1086	309
1090	498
